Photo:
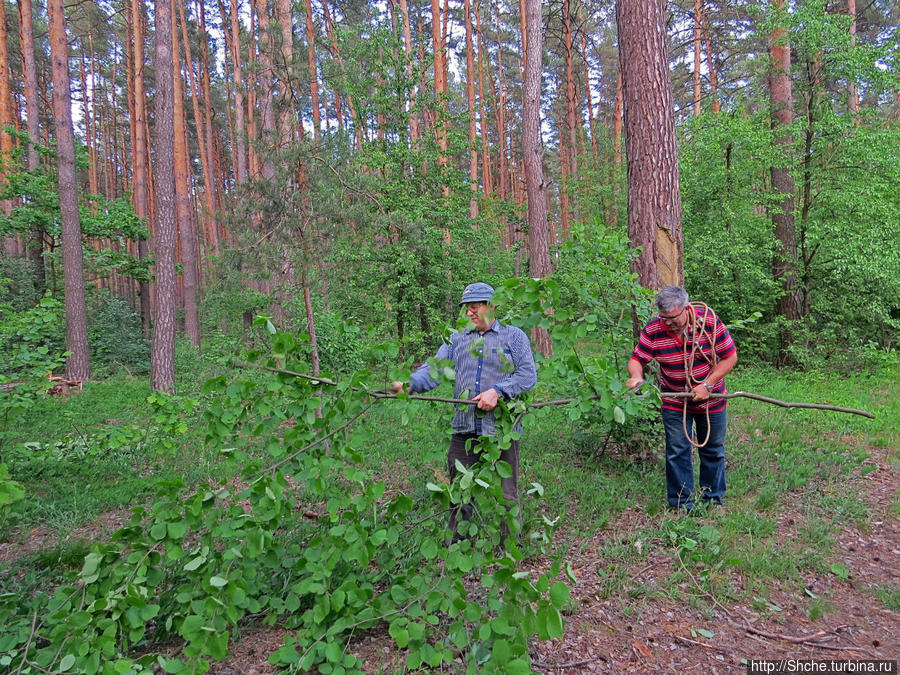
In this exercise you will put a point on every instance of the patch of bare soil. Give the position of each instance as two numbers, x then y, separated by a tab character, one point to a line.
41	538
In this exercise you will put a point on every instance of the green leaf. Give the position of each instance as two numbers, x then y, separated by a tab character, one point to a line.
195	563
706	633
841	571
559	594
218	582
429	549
619	415
66	662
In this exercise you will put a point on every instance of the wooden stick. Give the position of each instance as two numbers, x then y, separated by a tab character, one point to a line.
773	401
565	401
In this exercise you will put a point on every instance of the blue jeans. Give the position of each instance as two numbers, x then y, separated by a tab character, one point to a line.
679	464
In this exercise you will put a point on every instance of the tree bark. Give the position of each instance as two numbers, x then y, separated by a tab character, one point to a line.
78	362
784	262
538	231
311	65
183	206
162	355
10	242
140	196
240	132
853	90
589	97
30	86
410	76
698	4
654	197
486	174
470	100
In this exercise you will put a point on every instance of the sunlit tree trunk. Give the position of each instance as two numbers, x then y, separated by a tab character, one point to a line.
784	262
140	195
30	86
78	362
470	100
572	123
410	76
240	133
654	197
311	65
440	82
183	206
538	232
10	243
162	355
209	227
486	174
710	60
698	4
267	110
589	97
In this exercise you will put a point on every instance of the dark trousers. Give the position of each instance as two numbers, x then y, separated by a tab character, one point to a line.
468	458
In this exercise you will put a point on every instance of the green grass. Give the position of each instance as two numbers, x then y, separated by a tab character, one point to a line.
795	477
93	452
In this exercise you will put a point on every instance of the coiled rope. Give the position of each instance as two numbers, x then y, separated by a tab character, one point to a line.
697	331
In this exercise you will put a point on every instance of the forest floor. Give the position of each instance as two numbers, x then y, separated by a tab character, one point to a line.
657	617
802	563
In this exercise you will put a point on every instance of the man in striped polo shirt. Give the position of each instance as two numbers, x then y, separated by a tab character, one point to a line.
490	361
694	351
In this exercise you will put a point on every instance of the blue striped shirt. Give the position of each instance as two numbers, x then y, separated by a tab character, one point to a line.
500	358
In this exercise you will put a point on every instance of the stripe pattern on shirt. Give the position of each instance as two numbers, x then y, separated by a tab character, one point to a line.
501	358
656	342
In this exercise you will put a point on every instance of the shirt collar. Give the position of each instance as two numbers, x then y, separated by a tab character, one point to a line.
495	326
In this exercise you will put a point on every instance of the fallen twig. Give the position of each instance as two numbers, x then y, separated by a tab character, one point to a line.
701	644
574	664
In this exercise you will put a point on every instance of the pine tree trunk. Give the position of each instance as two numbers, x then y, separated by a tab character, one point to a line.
199	122
311	65
710	60
266	72
698	4
486	174
538	232
10	243
571	103
470	100
654	197
240	132
853	90
784	262
78	362
139	171
183	205
589	98
30	85
410	76
162	355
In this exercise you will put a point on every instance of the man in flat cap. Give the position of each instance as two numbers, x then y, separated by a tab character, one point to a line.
491	360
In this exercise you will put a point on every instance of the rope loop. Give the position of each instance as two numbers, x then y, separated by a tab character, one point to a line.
697	331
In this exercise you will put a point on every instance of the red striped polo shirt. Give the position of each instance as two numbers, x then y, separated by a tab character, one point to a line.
656	342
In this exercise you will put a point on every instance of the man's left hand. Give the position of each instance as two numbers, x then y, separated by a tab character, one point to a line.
487	400
701	393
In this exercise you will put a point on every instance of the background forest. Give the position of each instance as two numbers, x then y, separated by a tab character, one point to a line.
271	207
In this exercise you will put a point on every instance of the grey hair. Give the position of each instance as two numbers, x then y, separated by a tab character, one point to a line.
671	298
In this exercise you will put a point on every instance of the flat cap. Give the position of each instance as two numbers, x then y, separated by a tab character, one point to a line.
477	292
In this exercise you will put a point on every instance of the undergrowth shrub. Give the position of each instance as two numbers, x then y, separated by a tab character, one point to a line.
115	336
